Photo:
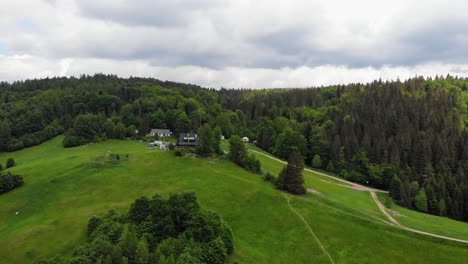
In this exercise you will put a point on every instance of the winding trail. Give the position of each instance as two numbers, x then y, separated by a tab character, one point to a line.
382	209
372	192
310	230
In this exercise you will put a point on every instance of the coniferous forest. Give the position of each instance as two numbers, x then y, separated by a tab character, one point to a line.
408	137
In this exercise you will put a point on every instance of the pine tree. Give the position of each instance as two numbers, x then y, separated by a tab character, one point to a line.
395	156
395	188
330	166
442	207
291	178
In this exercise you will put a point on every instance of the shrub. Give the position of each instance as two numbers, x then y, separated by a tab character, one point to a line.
9	181
15	145
251	163
317	161
269	177
30	140
388	202
74	141
10	163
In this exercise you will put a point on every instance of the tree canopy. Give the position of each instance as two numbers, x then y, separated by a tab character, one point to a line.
155	230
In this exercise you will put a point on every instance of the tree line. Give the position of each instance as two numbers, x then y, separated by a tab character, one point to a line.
410	137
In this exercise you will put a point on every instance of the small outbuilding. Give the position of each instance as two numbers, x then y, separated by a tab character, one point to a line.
245	139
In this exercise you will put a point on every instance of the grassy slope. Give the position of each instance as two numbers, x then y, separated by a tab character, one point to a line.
429	223
64	187
344	196
410	218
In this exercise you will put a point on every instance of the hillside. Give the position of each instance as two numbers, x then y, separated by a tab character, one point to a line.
335	224
409	137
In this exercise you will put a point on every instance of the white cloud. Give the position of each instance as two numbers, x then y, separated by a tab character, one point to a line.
235	43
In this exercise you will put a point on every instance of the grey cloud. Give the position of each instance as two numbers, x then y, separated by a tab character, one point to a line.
292	51
211	34
143	12
446	41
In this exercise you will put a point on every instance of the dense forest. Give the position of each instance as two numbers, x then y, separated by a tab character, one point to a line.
409	137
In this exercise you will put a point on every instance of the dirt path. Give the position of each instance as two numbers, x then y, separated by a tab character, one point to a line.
310	229
372	192
382	209
352	184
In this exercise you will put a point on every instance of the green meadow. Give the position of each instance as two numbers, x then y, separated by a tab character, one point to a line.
426	222
335	224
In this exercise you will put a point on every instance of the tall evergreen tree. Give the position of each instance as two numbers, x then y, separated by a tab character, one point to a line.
291	178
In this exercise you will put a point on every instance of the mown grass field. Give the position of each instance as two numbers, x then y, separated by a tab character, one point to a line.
65	187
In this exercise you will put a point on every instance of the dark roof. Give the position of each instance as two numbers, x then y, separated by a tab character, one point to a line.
187	140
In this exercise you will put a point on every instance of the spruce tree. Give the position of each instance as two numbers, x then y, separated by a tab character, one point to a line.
395	188
291	178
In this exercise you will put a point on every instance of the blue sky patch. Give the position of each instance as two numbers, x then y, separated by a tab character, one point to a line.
27	24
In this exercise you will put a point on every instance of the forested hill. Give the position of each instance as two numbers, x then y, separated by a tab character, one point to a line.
410	137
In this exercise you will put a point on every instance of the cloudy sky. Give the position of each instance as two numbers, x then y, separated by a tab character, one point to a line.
235	43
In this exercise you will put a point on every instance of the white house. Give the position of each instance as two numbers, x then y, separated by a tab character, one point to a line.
245	139
160	132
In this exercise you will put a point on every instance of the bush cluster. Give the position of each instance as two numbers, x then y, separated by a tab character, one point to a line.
155	230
